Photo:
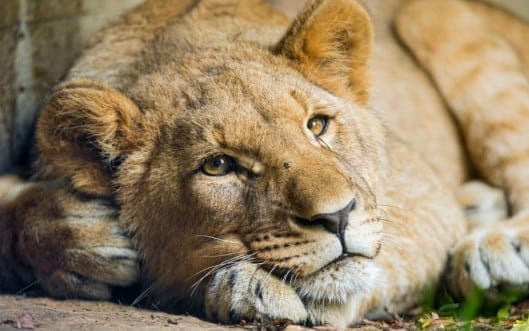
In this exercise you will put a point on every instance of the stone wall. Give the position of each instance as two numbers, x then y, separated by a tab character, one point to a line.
39	39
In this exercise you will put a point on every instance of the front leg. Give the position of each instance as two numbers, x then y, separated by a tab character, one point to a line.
71	245
493	255
245	291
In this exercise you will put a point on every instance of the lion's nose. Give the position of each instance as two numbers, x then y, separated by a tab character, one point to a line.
337	221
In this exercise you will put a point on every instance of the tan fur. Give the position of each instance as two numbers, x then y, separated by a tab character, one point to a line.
482	77
173	83
482	74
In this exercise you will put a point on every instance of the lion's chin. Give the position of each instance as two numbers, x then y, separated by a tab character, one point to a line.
338	281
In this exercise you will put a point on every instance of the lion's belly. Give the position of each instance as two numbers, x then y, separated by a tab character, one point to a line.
409	103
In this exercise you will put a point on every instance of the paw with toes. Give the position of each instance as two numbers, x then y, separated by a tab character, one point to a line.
490	257
245	291
75	245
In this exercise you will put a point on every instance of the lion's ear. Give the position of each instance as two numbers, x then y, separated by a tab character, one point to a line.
330	43
84	130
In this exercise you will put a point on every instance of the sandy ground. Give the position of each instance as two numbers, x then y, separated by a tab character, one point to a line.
47	314
18	312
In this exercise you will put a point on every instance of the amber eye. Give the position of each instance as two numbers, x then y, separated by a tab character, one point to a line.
318	125
219	165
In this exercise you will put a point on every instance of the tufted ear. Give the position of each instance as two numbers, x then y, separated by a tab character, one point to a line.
330	43
84	131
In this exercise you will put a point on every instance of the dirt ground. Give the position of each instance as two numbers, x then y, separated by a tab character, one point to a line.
46	314
18	312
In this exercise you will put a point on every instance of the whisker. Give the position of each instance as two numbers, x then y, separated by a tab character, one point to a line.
296	275
365	188
22	290
386	220
233	259
399	208
393	236
142	295
270	273
196	284
216	238
220	255
284	280
215	268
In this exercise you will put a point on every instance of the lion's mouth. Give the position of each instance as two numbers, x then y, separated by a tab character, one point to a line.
337	262
288	273
339	259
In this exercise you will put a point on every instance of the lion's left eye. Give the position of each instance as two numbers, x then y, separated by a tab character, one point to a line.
318	125
219	165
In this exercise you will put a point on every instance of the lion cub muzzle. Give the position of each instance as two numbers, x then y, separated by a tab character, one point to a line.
334	222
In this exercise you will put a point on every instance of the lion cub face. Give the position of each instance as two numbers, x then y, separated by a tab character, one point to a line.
255	155
255	162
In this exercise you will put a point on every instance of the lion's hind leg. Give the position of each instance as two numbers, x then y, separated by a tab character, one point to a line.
481	76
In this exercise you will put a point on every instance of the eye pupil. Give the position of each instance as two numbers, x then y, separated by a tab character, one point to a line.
218	163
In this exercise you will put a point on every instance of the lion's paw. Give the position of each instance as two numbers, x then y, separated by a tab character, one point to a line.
79	250
491	256
245	291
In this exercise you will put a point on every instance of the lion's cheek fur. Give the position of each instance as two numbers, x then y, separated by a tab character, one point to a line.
173	231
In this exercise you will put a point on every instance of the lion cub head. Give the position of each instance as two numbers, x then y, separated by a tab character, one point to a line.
228	151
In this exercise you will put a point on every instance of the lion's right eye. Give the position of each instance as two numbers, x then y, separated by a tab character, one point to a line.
219	165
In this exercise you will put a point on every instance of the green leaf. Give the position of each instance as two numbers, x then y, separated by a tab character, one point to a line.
504	313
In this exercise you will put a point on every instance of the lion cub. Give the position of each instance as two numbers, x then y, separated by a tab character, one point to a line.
225	158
